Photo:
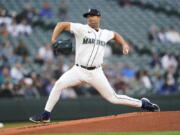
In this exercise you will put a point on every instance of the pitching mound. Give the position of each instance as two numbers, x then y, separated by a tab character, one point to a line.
143	121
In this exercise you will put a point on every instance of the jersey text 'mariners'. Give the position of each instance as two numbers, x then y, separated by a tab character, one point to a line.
92	41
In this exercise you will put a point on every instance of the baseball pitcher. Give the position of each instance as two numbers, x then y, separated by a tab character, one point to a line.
90	46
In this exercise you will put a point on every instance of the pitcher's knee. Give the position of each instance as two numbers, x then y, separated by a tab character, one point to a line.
58	85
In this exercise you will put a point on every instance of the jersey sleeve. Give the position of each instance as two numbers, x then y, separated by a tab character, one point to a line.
110	35
76	28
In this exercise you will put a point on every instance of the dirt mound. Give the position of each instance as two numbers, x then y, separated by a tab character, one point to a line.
143	121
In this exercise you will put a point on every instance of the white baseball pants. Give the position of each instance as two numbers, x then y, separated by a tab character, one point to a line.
96	78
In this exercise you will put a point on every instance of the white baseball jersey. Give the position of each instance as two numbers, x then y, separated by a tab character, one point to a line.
90	44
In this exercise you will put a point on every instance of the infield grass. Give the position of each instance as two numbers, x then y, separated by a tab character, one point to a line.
16	124
19	124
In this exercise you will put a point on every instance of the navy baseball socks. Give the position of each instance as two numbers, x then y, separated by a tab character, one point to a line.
44	117
148	106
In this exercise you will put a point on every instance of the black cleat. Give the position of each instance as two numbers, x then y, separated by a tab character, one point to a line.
148	106
40	118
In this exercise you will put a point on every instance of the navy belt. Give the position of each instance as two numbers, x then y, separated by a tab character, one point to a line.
88	68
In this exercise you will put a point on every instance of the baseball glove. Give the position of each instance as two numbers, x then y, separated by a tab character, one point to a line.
62	47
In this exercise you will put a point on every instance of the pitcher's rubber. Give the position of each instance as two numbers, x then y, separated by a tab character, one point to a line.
130	122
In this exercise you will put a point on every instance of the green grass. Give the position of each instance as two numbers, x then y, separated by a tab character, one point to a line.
134	133
19	124
16	124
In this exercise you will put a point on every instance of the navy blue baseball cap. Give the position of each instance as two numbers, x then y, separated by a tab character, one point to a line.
93	12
